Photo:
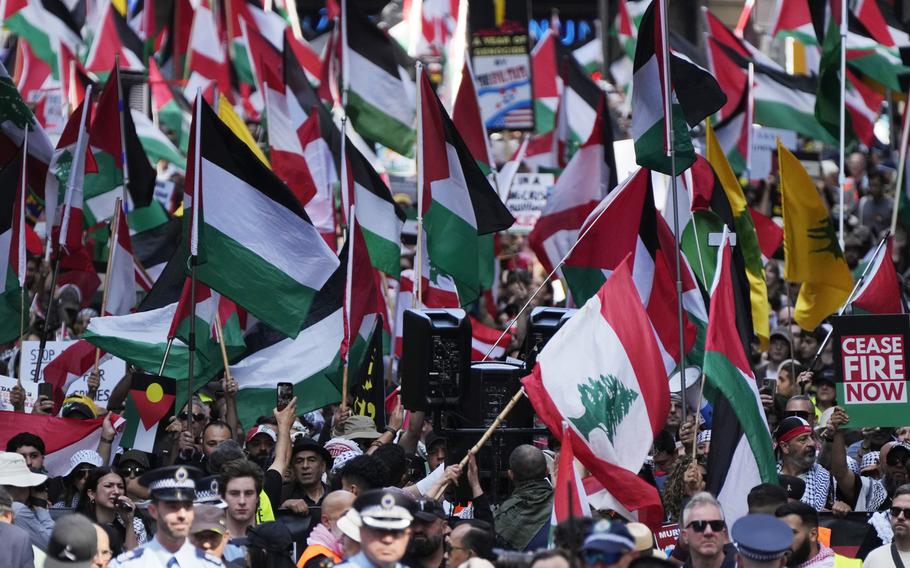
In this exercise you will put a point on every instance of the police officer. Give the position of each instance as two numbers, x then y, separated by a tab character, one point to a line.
762	541
172	491
385	516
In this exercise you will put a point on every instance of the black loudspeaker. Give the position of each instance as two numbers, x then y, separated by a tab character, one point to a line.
543	323
492	386
436	358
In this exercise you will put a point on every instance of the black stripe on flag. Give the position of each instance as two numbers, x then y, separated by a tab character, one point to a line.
295	78
128	37
490	213
221	147
9	186
372	43
579	81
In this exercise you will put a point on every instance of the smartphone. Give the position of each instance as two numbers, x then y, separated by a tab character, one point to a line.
46	389
769	386
285	394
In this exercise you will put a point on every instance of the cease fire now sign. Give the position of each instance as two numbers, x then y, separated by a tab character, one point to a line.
870	356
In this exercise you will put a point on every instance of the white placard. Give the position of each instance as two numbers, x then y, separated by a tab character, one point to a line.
111	369
7	383
527	198
764	144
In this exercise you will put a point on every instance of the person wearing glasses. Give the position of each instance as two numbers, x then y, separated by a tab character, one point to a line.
81	464
385	517
704	532
103	553
186	447
132	465
897	553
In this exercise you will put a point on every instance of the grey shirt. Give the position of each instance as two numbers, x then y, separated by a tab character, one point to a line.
36	522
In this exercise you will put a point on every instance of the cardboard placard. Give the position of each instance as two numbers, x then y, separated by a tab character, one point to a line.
870	358
111	369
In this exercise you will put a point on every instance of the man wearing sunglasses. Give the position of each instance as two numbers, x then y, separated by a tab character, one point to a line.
705	533
896	554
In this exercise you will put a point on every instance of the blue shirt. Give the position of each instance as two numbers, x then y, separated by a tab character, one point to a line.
154	555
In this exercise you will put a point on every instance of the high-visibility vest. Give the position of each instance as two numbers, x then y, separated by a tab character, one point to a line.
847	562
314	550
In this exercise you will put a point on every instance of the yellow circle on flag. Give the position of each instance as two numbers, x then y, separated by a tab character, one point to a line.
154	392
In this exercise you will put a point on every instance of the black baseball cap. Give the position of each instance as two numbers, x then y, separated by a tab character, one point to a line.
73	543
427	510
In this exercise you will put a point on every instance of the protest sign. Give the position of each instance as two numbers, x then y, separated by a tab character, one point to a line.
527	198
502	63
111	369
6	385
870	355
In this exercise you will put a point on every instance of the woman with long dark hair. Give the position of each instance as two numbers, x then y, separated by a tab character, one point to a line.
103	500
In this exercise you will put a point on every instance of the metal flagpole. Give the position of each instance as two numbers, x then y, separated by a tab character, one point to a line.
194	252
20	245
111	251
901	164
856	287
750	119
843	110
418	257
671	151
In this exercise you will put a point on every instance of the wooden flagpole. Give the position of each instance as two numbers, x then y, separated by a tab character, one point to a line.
349	280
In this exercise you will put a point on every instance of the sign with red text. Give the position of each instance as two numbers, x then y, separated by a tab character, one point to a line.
870	356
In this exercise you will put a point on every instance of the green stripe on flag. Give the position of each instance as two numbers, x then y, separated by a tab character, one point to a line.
583	282
373	123
10	309
385	255
295	297
454	250
649	148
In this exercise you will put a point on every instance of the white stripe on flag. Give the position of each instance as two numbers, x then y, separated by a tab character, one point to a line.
287	242
452	192
375	214
121	293
285	117
647	99
390	95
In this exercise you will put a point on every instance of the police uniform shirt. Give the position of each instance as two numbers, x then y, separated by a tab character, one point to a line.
360	560
154	555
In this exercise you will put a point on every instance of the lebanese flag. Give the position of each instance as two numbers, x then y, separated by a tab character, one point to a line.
880	292
588	178
570	500
601	375
121	292
74	363
483	341
62	437
627	223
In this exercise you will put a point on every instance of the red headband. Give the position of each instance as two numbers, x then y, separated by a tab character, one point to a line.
790	434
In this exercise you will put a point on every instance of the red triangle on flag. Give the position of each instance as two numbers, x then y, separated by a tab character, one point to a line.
153	402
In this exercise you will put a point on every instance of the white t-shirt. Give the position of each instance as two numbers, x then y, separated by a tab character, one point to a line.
881	558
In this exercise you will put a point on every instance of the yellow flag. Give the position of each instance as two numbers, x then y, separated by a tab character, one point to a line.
812	255
235	123
746	237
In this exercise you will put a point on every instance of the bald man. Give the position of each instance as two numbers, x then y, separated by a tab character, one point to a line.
523	519
324	543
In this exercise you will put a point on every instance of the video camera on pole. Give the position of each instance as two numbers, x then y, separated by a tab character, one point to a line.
436	358
543	323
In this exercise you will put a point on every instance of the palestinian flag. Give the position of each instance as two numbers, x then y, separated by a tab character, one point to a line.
45	24
747	238
15	117
580	103
62	437
459	205
545	82
121	282
740	463
243	220
625	29
207	64
174	113
588	178
36	85
64	200
863	103
793	19
381	95
148	403
321	166
114	37
812	255
76	362
12	249
733	134
569	497
74	78
626	222
153	248
880	291
694	95
770	235
362	300
484	340
601	374
115	162
311	360
155	143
